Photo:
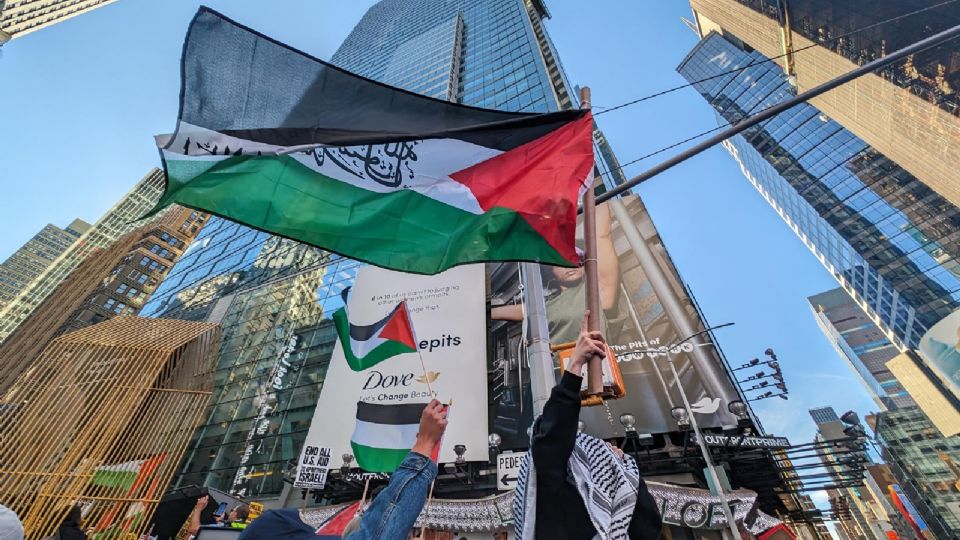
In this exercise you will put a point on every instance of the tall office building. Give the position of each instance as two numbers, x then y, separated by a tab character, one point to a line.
864	516
908	112
927	468
35	256
20	17
883	233
114	281
917	423
862	344
120	219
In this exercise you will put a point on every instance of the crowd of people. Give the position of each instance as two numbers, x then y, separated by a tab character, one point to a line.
572	486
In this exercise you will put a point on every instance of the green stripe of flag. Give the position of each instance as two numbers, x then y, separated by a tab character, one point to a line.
280	195
378	459
112	479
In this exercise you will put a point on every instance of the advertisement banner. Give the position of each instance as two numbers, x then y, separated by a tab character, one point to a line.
940	347
367	405
646	308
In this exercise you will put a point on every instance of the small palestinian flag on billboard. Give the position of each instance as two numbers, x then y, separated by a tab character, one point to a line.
273	138
384	435
367	346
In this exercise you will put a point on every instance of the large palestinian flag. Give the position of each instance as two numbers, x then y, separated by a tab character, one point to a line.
384	435
278	140
367	346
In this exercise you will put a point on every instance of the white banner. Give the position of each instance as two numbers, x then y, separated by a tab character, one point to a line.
447	313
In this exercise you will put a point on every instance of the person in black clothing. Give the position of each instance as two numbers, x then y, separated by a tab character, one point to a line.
573	486
70	528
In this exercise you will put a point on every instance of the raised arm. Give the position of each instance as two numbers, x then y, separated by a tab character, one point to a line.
556	430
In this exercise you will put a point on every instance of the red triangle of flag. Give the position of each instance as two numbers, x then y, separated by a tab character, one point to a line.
540	180
399	328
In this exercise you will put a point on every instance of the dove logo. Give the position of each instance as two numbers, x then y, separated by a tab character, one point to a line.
707	405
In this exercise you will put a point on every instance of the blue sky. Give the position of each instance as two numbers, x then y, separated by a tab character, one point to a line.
82	100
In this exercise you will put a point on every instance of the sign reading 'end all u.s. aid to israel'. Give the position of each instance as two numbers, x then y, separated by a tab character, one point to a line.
376	387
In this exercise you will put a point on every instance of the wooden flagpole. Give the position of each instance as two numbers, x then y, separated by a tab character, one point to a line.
595	366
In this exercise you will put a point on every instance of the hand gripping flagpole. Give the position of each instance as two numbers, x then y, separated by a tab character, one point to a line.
595	365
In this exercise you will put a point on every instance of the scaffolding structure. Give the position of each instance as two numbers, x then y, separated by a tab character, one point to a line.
101	421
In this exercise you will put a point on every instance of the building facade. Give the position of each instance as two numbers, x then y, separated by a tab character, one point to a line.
20	17
925	464
31	259
916	424
114	281
862	344
123	217
887	238
861	515
907	112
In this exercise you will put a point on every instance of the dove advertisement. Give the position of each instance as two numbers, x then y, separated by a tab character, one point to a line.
646	309
404	339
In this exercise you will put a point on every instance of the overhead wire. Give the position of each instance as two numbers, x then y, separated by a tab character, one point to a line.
771	59
622	166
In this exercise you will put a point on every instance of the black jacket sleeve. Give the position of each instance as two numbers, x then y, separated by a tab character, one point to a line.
555	433
646	523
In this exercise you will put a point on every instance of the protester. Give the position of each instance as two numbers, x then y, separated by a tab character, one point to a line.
70	528
393	511
10	527
237	518
195	516
574	486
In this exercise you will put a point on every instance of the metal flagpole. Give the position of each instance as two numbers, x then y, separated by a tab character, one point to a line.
750	121
591	273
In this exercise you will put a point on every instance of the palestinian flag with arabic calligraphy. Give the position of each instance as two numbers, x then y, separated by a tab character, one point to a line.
278	140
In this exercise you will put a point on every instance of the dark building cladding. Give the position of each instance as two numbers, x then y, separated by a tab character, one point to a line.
890	240
933	74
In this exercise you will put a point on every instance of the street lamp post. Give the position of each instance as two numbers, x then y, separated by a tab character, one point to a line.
711	468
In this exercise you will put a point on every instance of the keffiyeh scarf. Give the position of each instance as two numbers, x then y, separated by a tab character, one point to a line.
607	484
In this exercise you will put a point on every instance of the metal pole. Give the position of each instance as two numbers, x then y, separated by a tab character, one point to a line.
731	521
714	380
539	357
591	272
750	121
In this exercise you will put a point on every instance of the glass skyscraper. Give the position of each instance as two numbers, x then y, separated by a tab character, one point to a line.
887	238
120	219
862	344
274	297
28	262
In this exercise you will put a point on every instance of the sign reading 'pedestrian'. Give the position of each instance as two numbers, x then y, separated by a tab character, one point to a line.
508	470
313	467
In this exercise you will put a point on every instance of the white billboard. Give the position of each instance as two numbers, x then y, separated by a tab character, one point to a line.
940	347
447	312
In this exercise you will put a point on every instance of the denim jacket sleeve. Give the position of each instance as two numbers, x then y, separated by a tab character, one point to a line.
393	512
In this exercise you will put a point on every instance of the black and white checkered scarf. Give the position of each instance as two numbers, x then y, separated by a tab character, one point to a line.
607	484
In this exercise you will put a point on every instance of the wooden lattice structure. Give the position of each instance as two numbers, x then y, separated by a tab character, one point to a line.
102	420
